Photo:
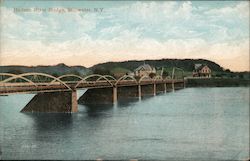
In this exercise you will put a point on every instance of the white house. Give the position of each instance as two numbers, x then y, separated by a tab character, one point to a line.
143	70
201	70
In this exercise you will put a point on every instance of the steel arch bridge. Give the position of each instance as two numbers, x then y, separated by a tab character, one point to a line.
59	94
39	81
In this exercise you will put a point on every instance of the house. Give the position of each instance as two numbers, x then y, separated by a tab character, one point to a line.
143	70
201	70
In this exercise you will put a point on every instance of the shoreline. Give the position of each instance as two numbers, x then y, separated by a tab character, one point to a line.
217	82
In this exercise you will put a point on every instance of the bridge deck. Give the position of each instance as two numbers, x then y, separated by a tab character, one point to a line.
8	88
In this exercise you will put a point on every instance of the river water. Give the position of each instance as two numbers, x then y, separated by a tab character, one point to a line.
193	123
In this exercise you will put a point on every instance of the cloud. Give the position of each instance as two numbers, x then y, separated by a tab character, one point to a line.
185	10
136	30
163	20
15	26
240	10
128	46
46	27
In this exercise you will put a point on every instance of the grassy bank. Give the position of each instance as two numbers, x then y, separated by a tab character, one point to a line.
216	82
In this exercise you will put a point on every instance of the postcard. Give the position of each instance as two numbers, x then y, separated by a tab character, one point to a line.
124	80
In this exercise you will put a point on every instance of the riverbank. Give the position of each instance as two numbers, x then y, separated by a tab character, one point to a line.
216	82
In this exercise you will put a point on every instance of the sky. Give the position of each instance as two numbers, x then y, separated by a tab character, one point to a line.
90	32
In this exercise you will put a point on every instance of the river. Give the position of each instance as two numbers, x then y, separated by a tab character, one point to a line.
193	123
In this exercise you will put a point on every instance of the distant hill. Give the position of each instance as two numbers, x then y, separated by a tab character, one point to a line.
118	69
56	70
186	64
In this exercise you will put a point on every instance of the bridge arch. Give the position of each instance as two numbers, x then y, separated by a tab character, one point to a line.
107	76
92	76
68	75
37	74
167	77
159	77
7	74
174	72
125	77
143	77
15	76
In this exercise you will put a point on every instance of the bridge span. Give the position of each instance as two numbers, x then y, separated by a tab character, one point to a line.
58	94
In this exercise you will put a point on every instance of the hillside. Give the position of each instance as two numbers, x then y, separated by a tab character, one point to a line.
118	69
59	69
186	64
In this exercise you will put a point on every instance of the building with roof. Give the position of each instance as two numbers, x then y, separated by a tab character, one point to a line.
144	70
201	70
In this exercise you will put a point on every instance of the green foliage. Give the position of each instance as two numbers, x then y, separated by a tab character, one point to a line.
165	73
15	71
187	64
55	74
120	70
56	70
102	71
152	75
241	76
75	72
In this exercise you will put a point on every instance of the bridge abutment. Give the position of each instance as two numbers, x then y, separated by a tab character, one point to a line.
63	101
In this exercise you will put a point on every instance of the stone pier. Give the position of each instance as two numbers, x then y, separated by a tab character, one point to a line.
113	94
108	95
98	96
64	101
148	90
161	88
169	87
179	85
127	92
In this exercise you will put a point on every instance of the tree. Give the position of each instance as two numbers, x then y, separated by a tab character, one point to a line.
15	71
241	76
101	71
55	74
228	71
165	74
152	75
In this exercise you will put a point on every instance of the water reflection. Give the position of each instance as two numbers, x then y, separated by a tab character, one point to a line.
51	121
48	126
96	110
126	102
